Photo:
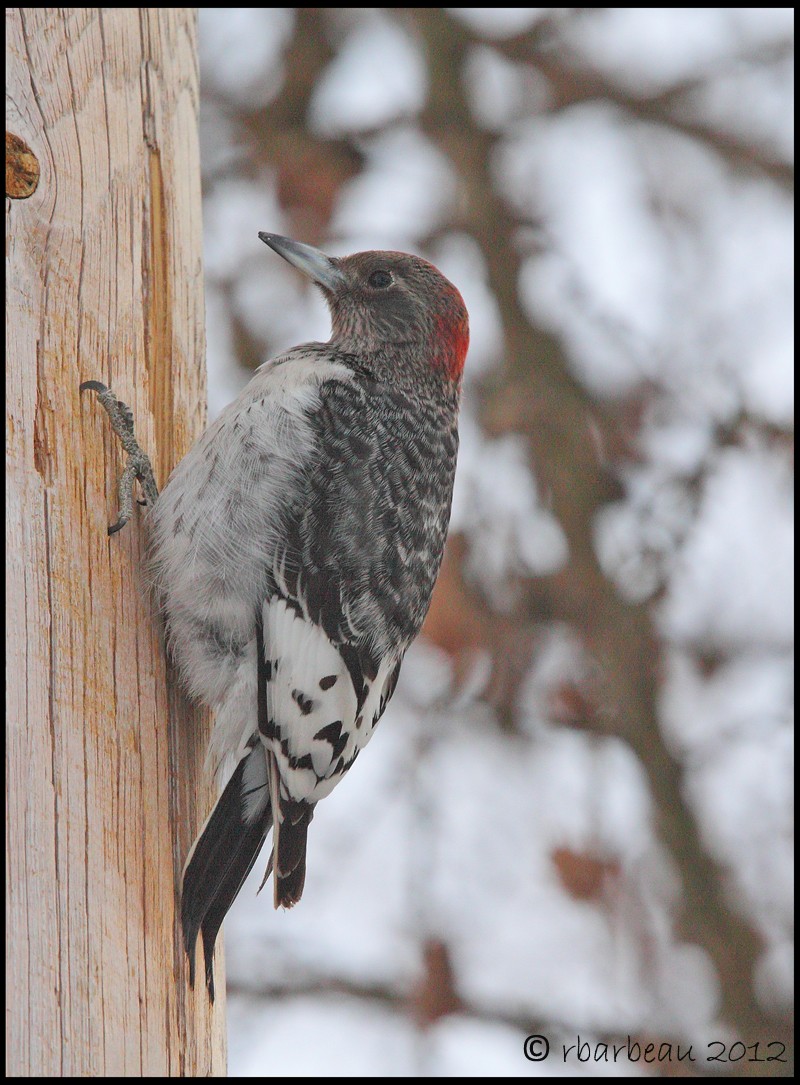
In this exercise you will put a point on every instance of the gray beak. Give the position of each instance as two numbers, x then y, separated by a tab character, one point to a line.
321	268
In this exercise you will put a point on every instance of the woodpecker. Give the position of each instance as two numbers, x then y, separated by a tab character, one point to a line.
293	553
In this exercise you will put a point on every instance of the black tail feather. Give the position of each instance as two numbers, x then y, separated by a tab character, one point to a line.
290	857
219	863
250	845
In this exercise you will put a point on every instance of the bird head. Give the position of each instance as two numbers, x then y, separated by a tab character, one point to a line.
388	305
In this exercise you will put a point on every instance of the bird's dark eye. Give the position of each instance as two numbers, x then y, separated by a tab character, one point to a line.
380	279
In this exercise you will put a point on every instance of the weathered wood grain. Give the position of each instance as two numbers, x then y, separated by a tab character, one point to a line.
105	779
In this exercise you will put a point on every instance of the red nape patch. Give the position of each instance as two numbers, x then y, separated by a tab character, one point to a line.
452	338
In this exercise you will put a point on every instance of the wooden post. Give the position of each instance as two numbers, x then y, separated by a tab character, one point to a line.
105	779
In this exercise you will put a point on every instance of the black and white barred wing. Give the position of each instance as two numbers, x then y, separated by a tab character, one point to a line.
314	726
348	590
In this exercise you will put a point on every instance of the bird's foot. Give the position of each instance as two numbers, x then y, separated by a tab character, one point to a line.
137	466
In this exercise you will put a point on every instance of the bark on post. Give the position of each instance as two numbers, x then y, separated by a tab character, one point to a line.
105	778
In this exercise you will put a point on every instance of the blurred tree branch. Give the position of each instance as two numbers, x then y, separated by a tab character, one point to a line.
571	82
309	168
405	1002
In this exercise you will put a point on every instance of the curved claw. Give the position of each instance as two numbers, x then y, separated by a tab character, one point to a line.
93	386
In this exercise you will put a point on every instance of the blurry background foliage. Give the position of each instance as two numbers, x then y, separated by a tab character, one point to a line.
576	815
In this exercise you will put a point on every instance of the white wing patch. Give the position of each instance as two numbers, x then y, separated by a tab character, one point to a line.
314	728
